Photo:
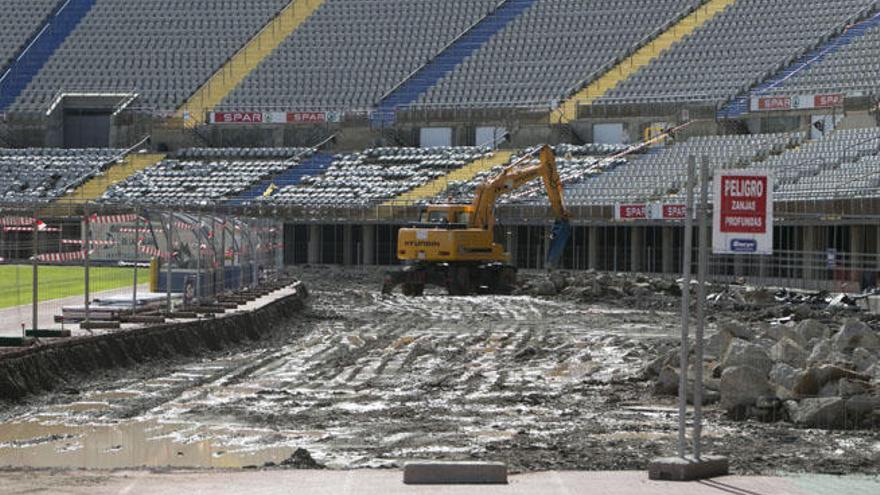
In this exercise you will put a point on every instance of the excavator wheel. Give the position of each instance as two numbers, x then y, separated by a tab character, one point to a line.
459	281
413	290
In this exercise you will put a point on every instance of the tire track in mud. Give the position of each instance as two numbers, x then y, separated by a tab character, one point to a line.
373	381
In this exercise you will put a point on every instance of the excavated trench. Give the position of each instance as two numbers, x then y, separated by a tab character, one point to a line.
363	380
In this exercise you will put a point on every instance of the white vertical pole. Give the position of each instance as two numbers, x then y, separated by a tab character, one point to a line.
168	245
34	292
685	306
85	246
701	304
134	276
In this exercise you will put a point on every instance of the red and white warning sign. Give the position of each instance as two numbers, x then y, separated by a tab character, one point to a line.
743	214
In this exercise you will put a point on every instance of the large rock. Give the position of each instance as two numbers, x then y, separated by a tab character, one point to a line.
736	329
559	280
743	353
863	359
811	329
784	379
789	352
740	388
821	353
860	406
667	382
823	412
854	334
816	378
544	288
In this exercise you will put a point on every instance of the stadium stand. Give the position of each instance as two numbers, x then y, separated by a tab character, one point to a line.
663	173
193	182
849	64
802	169
117	172
348	54
246	60
437	187
576	163
40	174
740	47
844	63
54	31
312	166
19	25
453	55
567	39
376	175
161	49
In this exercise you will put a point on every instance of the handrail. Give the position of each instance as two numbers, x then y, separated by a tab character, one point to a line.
313	149
445	47
83	178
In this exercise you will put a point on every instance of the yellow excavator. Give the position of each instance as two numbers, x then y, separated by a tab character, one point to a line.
453	246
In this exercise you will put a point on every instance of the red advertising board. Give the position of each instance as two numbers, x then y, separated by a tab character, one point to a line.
774	103
673	212
828	101
306	117
237	118
632	212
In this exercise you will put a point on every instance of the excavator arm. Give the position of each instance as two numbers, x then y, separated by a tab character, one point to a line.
516	176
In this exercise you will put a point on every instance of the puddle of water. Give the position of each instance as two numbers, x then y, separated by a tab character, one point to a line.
127	445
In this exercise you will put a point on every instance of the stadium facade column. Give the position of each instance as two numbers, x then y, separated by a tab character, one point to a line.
667	245
637	249
510	236
811	247
857	250
368	245
593	248
314	254
347	251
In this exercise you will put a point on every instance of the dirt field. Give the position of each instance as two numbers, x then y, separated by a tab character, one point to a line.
363	380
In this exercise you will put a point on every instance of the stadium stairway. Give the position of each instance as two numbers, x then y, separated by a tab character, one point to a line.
463	174
314	165
448	59
97	186
740	105
63	20
233	72
567	111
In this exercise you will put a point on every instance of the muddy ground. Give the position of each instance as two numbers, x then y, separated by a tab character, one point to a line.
361	380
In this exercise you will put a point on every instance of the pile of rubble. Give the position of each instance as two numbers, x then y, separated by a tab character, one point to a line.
808	373
592	287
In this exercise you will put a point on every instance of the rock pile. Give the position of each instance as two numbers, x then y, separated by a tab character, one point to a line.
591	287
805	372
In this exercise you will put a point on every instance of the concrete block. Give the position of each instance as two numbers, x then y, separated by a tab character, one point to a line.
52	334
688	468
440	473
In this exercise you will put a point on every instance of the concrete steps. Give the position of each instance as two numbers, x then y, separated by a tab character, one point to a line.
567	111
97	186
438	185
231	74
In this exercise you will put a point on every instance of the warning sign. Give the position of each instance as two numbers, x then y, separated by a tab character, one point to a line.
743	213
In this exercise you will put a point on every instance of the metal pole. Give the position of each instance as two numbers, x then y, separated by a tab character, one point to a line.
701	305
168	233
685	306
86	244
34	293
254	256
134	282
199	260
222	255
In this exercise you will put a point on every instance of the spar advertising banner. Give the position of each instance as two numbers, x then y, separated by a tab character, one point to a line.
649	211
796	102
259	118
742	219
